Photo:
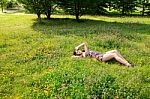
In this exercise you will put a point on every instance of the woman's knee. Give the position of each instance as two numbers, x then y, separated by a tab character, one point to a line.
110	55
114	54
114	51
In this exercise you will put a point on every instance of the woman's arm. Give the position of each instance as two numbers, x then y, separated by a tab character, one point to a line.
76	56
81	45
85	47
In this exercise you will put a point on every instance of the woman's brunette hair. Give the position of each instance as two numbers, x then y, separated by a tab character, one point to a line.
75	53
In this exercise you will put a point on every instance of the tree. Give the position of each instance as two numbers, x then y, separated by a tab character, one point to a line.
125	6
33	6
148	8
101	5
77	7
48	7
145	5
39	7
3	4
11	3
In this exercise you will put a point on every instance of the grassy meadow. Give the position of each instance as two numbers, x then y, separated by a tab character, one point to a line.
35	58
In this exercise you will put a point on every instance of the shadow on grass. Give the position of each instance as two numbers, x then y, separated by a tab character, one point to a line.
85	27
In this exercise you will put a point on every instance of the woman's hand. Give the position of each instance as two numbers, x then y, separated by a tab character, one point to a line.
76	48
76	56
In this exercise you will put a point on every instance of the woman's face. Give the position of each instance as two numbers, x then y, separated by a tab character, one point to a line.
79	52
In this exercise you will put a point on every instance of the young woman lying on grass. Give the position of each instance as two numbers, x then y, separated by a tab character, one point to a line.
114	54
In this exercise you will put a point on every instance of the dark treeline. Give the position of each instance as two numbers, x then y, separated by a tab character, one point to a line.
87	7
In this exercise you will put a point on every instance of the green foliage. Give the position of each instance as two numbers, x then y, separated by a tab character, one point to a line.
126	6
33	6
86	7
78	7
11	4
39	6
36	57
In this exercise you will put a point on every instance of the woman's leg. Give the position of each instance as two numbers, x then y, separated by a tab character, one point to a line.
115	51
110	55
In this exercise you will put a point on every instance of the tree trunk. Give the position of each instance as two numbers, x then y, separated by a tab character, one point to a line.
109	6
143	8
2	8
39	16
123	8
77	17
77	11
49	13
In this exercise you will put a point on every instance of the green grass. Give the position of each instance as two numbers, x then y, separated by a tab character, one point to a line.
35	58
